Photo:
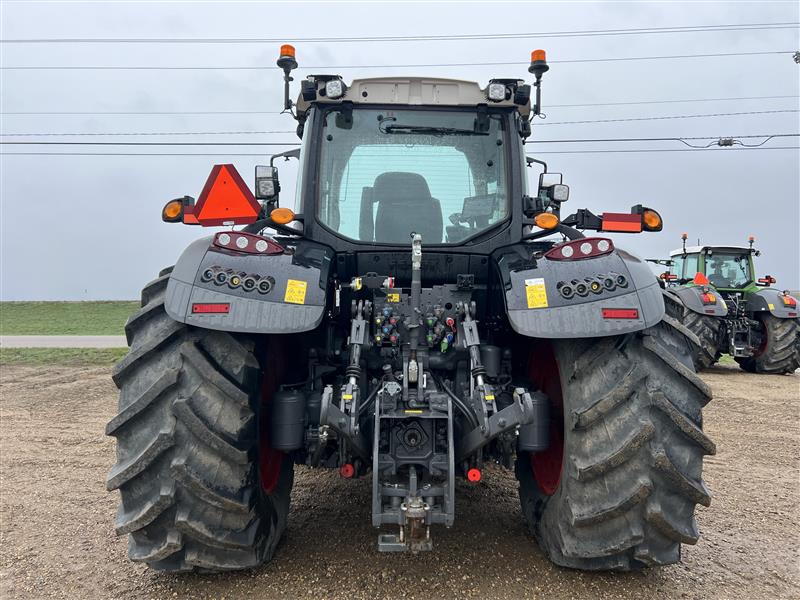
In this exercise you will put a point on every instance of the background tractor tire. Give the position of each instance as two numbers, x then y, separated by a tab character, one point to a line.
709	331
620	491
780	352
187	447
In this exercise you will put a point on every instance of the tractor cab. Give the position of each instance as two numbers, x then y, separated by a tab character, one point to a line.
725	267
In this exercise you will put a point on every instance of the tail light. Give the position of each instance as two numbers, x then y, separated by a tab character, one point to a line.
620	313
246	243
578	249
667	276
709	298
789	300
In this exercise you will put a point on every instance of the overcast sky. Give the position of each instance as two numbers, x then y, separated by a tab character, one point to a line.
88	227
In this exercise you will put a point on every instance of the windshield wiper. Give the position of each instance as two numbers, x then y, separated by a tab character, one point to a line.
394	128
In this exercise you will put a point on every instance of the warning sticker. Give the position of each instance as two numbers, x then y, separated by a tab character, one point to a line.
536	293
393	297
771	306
295	292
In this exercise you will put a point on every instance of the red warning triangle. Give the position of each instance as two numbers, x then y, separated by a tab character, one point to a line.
226	199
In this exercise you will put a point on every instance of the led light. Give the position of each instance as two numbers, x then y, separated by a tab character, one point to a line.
603	245
496	92
334	88
586	248
241	242
173	211
266	188
224	239
282	216
651	220
567	251
560	192
262	245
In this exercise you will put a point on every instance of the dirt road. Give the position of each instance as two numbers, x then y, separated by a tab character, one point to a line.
56	539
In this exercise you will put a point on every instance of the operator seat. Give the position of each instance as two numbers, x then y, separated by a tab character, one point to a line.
405	205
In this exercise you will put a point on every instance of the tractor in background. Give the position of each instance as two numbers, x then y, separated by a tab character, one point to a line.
731	310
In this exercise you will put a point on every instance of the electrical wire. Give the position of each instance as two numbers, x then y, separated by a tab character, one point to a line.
418	38
261	154
383	66
730	114
275	112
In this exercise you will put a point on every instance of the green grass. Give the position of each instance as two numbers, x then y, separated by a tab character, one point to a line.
726	359
65	357
65	318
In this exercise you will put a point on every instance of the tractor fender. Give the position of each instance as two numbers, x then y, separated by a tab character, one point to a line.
691	298
770	300
537	307
295	302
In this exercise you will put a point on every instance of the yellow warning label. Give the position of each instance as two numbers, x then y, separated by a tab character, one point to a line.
413	412
489	397
536	293
347	396
393	297
771	306
295	292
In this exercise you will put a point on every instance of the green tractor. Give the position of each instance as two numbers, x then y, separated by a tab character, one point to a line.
730	310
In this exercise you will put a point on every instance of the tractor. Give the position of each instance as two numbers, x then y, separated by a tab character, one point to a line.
730	310
417	315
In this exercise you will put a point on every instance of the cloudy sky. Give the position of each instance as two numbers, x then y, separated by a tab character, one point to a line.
88	227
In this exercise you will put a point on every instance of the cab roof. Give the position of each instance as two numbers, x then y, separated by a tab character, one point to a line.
698	249
414	91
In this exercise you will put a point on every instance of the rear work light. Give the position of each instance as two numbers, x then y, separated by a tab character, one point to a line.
247	243
213	309
582	248
620	313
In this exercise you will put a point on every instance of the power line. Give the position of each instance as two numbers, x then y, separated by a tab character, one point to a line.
241	154
730	114
417	38
381	66
275	112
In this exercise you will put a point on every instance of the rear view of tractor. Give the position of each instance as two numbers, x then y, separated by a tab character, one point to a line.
418	315
719	298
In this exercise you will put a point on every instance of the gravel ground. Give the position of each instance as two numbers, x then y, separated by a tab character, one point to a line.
56	537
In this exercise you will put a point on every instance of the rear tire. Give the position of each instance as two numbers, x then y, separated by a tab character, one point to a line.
633	450
709	331
781	353
187	447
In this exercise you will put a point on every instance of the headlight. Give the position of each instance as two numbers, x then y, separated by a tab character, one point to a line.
496	92
334	88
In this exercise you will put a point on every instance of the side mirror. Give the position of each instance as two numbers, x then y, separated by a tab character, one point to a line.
267	184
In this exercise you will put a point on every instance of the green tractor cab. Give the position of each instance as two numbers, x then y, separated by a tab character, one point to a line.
731	310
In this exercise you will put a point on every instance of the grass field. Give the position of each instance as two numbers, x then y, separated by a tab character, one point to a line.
65	318
68	357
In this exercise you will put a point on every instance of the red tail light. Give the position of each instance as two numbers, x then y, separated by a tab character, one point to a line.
474	475
220	308
789	300
709	298
247	243
578	249
620	313
667	276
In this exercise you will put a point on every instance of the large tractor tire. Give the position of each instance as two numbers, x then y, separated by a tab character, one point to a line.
618	486
198	493
780	348
709	331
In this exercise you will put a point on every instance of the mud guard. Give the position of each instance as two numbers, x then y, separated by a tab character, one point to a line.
691	298
295	302
537	307
770	300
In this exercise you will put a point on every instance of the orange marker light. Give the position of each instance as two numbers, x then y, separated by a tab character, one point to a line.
287	50
546	220
538	55
282	216
684	236
172	211
751	238
651	220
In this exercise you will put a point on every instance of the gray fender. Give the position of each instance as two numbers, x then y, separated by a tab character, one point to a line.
536	307
302	270
691	298
770	300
